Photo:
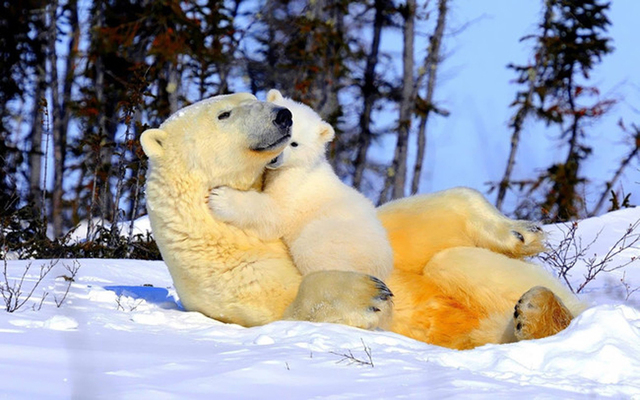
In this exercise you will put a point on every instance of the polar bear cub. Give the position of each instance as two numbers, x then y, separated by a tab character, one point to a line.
326	224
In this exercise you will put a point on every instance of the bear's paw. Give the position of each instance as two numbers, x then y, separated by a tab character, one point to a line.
526	239
224	202
343	297
540	313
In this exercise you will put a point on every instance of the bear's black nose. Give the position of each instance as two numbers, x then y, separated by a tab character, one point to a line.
283	118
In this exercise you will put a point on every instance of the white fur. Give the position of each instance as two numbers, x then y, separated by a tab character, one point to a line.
326	224
454	286
217	269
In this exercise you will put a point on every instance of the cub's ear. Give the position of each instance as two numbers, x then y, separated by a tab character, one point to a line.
326	132
274	95
152	141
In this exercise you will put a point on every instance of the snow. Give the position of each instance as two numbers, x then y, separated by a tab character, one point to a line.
598	235
121	333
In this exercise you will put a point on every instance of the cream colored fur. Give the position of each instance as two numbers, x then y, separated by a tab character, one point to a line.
457	271
479	282
217	268
326	224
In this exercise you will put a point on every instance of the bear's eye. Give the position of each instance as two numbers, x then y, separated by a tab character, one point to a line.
224	115
294	144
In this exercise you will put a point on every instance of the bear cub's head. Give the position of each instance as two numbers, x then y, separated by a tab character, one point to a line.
309	135
226	140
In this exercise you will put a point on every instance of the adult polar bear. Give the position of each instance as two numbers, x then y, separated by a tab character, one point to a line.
457	275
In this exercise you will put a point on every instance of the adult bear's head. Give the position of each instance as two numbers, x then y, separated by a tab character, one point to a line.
225	140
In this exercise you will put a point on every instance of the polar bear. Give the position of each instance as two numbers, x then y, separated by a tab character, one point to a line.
218	269
460	269
459	279
326	224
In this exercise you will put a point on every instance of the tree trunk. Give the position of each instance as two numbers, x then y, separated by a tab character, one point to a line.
431	66
521	114
59	106
70	67
101	200
56	114
515	142
36	154
397	174
567	198
369	96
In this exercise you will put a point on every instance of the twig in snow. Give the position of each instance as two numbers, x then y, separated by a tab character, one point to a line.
130	306
73	271
12	293
38	306
350	359
564	256
627	286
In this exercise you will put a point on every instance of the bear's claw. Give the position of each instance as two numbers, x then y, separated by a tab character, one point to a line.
534	228
385	293
529	239
518	236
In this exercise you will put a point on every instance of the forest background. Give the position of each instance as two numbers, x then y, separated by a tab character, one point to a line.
81	80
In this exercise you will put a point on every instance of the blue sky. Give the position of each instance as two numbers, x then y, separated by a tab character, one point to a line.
470	147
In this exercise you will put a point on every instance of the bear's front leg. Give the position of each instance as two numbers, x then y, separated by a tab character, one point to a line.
249	210
343	297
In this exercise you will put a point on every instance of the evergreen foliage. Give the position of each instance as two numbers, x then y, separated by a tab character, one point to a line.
80	81
570	42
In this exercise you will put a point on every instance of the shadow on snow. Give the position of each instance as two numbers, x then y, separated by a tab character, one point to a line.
150	294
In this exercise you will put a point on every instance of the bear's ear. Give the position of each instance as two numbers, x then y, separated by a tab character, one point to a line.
326	132
274	95
152	141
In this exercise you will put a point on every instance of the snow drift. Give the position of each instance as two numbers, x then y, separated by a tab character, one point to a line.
121	333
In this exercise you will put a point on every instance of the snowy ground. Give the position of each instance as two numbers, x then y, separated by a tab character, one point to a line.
117	337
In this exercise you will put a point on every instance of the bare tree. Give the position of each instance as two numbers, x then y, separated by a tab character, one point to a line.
524	100
12	292
369	94
36	152
56	112
397	173
425	106
60	103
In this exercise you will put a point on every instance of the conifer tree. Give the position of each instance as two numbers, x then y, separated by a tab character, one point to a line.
570	43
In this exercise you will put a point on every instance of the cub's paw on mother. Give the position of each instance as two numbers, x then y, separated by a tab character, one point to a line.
223	201
343	297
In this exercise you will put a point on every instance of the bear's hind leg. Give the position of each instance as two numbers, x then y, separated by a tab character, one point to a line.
525	238
489	228
540	313
342	297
